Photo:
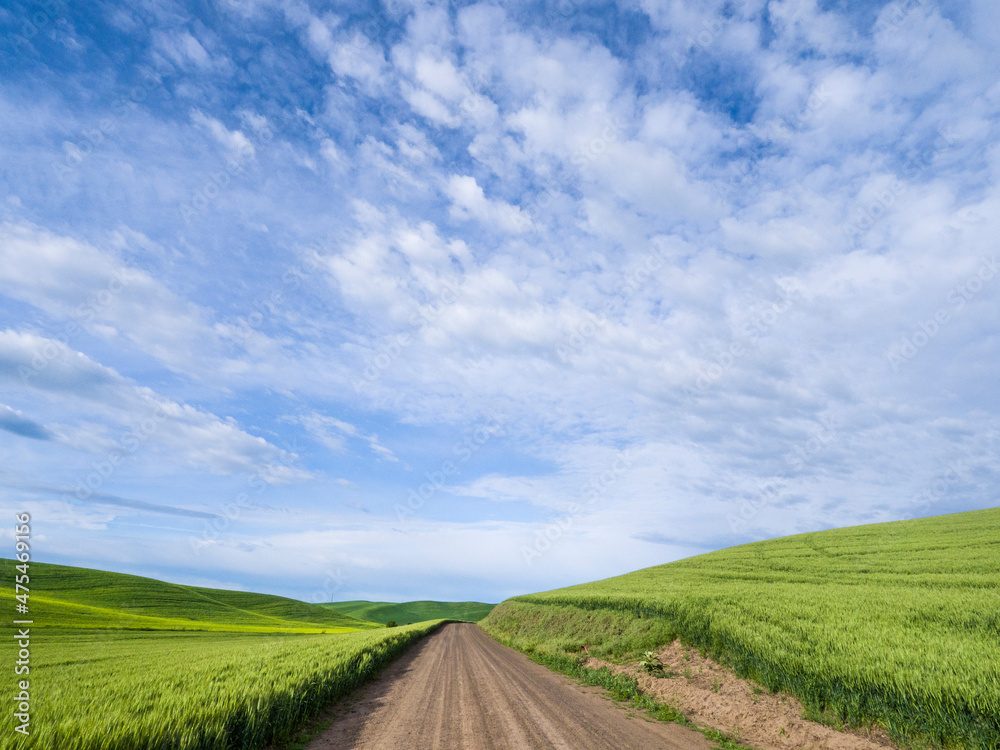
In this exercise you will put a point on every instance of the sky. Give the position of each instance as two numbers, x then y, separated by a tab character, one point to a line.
408	300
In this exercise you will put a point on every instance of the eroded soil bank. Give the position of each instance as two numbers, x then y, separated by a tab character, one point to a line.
712	696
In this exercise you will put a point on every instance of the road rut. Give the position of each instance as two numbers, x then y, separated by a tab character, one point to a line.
458	689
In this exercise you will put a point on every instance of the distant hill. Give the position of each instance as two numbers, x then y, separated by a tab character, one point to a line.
64	596
408	612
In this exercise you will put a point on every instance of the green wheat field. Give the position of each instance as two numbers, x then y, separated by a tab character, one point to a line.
131	690
894	624
121	662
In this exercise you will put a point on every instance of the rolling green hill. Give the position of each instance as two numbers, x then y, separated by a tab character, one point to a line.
408	612
895	624
63	596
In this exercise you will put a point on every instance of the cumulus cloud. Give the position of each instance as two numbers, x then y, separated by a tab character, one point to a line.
752	250
92	289
469	201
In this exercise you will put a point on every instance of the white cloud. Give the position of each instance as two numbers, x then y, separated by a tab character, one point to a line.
355	56
333	432
182	434
236	144
415	145
328	150
440	77
469	201
94	290
183	49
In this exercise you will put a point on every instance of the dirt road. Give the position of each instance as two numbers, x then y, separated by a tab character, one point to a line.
460	690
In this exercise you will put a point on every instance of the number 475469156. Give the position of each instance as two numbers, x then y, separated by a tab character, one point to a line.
22	532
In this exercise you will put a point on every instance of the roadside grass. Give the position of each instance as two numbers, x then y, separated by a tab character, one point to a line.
407	612
139	690
69	597
895	625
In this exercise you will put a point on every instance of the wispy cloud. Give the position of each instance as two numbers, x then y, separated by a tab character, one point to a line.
69	494
15	422
692	233
183	434
333	433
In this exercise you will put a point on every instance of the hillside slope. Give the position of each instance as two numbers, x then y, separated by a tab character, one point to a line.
896	624
64	596
407	612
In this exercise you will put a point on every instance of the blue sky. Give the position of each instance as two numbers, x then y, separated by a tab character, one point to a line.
409	300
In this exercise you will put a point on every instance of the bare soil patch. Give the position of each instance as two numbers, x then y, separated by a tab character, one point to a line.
712	696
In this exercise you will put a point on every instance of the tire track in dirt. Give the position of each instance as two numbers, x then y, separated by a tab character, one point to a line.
458	689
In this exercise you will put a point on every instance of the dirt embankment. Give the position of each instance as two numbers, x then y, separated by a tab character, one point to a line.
712	696
461	690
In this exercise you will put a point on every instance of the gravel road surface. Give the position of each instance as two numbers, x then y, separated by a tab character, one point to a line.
458	689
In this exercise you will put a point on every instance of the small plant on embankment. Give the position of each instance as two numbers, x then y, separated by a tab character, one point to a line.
651	664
